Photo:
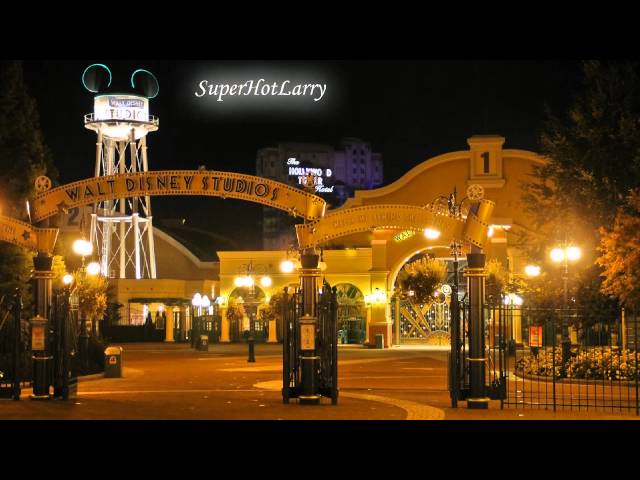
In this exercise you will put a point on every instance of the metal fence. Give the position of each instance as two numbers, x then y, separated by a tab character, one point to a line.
15	348
562	360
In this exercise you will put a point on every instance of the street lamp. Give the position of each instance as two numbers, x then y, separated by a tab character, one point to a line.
532	270
564	255
248	281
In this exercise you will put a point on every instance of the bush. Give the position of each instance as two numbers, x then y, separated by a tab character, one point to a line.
587	363
96	355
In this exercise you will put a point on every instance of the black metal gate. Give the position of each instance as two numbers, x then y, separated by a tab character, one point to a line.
326	344
15	348
526	366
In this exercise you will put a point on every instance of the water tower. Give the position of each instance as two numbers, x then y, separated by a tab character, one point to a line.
122	229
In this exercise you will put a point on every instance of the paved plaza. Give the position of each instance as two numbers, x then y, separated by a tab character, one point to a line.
173	381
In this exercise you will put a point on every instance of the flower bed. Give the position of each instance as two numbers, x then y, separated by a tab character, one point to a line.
587	363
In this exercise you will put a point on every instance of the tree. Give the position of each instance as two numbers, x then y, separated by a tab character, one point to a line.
593	155
620	254
23	157
423	277
92	297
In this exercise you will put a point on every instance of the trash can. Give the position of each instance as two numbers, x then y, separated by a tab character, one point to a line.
379	340
203	344
113	362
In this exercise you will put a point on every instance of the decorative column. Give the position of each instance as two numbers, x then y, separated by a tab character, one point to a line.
224	325
307	326
476	275
273	334
168	326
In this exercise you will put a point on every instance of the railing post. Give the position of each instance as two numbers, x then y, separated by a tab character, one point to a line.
476	274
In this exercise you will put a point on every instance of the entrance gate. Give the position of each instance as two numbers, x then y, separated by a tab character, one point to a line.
325	345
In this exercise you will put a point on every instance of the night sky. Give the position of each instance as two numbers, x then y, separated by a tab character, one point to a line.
408	111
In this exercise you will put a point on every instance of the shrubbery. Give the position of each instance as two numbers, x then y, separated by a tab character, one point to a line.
589	364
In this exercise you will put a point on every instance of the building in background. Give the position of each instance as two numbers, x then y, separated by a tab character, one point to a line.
339	172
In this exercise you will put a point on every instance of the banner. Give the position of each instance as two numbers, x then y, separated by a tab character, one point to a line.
179	182
24	235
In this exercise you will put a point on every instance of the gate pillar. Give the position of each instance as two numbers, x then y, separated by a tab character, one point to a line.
476	274
42	278
379	319
307	327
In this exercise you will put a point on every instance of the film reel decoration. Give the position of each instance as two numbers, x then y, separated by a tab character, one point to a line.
475	192
43	184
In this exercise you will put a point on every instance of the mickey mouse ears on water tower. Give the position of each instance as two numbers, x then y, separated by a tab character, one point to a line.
97	78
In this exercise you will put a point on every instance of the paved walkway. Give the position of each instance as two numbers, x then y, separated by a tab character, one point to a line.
172	381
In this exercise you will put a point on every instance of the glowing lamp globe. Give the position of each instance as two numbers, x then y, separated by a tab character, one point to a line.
431	233
287	266
266	281
532	270
557	255
93	268
82	247
573	254
197	300
67	279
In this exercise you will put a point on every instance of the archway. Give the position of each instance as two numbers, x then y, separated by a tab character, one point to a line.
419	322
252	305
352	314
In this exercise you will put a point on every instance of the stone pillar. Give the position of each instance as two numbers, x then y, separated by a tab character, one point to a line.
379	319
224	326
168	328
273	334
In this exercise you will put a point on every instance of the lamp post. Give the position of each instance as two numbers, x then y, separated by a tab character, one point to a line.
247	281
565	254
84	249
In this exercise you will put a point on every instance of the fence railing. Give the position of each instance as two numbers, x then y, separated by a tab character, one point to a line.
563	359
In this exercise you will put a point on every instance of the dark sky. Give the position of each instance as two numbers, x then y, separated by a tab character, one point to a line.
408	110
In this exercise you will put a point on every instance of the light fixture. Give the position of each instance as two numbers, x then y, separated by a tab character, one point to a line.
205	302
67	279
573	253
161	308
287	266
82	247
557	255
239	282
93	268
490	231
221	300
196	301
513	299
532	270
431	233
266	281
